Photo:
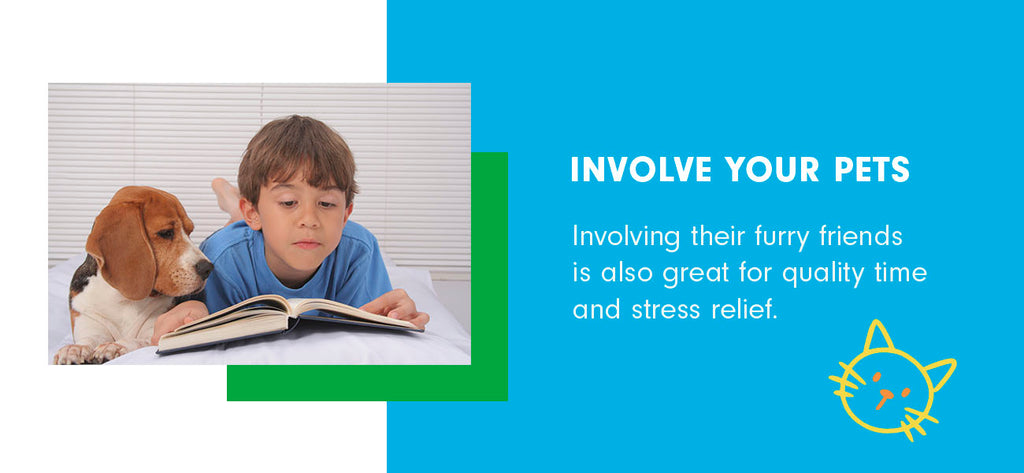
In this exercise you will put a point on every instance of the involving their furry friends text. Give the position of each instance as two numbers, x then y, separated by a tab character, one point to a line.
673	268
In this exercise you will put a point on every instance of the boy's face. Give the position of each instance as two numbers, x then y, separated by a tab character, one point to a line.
301	226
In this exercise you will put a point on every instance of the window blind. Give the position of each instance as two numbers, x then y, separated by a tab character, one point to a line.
411	144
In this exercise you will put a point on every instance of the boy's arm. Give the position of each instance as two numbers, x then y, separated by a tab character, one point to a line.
179	315
368	277
398	305
217	295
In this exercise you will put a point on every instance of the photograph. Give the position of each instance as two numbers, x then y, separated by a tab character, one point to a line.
259	223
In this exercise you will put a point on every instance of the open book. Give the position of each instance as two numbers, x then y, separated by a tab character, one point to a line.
269	314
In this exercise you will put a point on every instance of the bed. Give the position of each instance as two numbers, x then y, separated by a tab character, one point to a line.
444	342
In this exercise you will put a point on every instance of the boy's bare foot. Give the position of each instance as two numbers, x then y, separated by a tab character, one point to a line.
227	198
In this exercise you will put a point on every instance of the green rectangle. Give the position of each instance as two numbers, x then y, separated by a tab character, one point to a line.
485	379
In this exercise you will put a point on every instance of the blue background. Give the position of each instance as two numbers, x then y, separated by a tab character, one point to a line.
937	84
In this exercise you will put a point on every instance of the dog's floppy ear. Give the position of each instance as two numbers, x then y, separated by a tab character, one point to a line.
118	242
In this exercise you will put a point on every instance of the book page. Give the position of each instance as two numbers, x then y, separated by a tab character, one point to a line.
300	306
255	324
230	317
267	302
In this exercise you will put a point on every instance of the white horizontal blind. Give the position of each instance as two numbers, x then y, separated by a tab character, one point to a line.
411	143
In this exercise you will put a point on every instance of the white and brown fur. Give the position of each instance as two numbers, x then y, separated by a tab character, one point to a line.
140	259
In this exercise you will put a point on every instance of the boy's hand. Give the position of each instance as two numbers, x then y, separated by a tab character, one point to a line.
397	305
181	314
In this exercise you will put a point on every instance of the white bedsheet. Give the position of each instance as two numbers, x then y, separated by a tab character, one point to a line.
443	342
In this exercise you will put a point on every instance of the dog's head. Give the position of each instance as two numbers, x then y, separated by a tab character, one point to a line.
140	241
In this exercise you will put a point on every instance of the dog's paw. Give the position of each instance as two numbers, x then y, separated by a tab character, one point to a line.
73	355
107	352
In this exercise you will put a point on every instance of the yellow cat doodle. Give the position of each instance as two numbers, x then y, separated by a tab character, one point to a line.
900	381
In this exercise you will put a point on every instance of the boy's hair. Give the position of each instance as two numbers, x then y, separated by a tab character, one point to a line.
293	144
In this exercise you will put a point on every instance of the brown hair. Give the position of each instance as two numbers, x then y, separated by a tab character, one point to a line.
293	144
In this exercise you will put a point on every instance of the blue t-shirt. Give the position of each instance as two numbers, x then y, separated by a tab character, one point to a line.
352	274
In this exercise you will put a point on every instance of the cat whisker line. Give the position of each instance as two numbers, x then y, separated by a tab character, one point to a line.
915	424
843	382
854	373
921	414
906	431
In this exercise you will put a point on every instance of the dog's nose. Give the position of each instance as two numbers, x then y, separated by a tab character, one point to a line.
204	268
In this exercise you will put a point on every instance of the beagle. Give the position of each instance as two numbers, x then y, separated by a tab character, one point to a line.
140	259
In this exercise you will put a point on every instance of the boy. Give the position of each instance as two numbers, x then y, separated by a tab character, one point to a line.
290	232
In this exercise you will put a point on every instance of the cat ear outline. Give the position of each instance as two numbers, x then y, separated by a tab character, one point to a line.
938	364
877	324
